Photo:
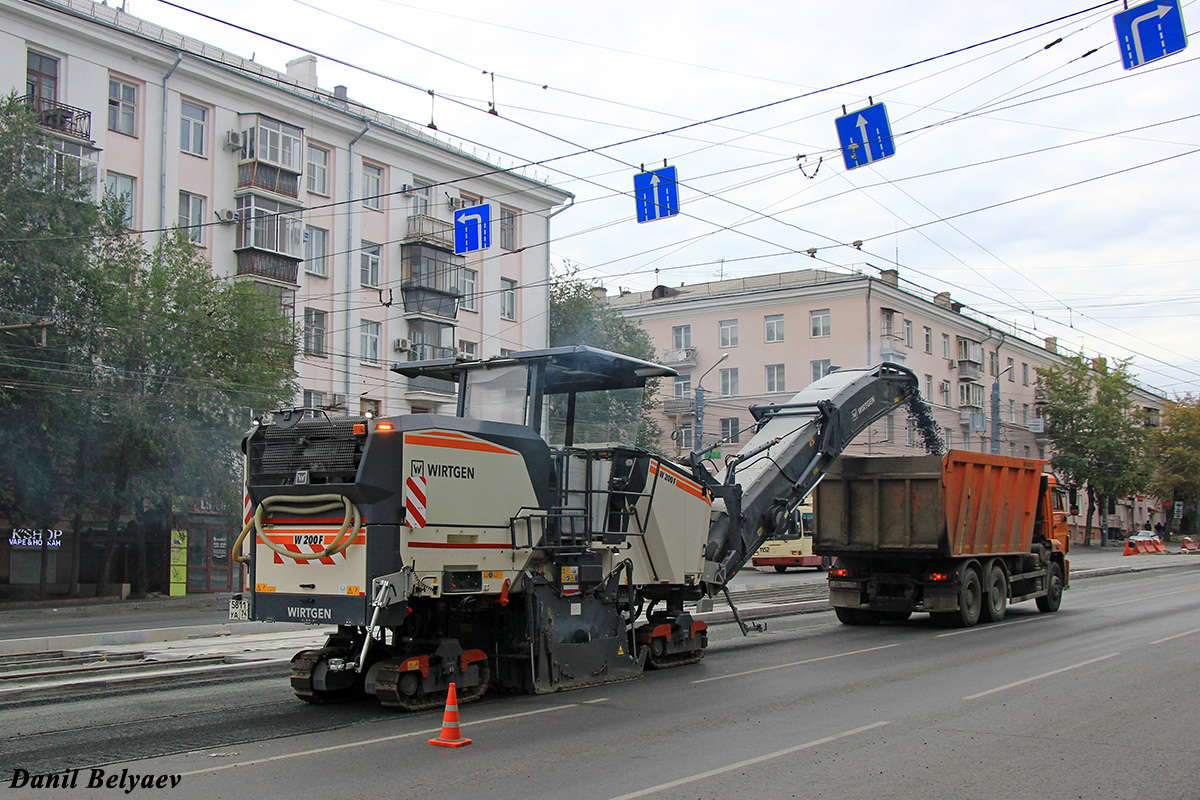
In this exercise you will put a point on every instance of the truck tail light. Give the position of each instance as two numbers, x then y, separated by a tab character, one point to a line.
939	577
841	572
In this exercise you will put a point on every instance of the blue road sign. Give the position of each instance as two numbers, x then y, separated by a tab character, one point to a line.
472	229
1149	32
865	136
656	194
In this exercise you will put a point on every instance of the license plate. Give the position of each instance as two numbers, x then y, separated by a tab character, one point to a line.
239	609
843	585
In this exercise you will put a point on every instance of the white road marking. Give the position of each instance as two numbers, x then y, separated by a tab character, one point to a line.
377	740
795	663
991	626
748	762
1176	636
1143	599
1039	677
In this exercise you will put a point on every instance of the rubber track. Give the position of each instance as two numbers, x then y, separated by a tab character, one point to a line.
387	689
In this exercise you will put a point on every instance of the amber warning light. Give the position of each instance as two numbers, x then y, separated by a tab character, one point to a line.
384	426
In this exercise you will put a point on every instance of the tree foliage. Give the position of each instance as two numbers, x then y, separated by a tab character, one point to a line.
1177	452
133	407
578	317
1096	430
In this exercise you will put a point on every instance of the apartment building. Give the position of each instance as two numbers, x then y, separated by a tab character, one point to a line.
342	212
758	340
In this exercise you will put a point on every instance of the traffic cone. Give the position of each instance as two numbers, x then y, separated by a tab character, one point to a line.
451	736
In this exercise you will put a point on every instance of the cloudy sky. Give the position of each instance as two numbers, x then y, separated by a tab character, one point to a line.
1034	178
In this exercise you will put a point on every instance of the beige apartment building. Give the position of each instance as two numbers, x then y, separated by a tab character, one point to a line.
759	340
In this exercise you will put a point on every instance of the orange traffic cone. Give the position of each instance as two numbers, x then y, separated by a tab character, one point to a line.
451	737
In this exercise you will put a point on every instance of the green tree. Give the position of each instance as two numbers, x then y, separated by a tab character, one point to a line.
578	317
1176	440
1097	435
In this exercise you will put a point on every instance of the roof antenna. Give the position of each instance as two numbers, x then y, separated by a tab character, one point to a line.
431	126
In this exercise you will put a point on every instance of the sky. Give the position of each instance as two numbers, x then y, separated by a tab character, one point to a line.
1034	178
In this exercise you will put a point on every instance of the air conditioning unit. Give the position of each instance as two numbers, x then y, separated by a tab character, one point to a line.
227	215
406	189
953	363
233	140
456	203
944	386
402	345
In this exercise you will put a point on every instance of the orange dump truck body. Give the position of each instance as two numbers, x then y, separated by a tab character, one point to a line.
959	504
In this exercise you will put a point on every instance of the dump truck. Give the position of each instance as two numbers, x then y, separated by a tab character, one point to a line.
522	543
959	536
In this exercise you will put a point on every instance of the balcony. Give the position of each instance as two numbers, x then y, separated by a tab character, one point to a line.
679	405
267	265
891	348
430	230
423	385
969	371
257	175
60	117
432	280
682	357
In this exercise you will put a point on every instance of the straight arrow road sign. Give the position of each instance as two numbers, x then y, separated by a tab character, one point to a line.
865	136
472	229
1149	32
656	194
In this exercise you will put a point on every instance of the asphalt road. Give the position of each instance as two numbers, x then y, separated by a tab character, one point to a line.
1096	701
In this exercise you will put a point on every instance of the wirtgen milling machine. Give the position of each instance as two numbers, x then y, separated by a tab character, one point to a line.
516	544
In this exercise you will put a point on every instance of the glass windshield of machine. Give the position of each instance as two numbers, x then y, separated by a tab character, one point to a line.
498	394
602	418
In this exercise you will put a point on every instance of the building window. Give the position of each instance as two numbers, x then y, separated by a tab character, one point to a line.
1012	411
318	170
944	391
275	143
727	330
929	388
372	186
1012	373
508	228
1027	451
929	340
314	332
774	324
775	378
681	336
729	382
192	127
316	249
269	225
945	345
368	333
508	299
683	385
368	407
1024	373
422	194
191	216
470	287
684	436
993	364
122	107
908	326
889	428
910	433
313	400
730	430
41	76
820	368
1025	413
122	190
468	349
368	274
819	323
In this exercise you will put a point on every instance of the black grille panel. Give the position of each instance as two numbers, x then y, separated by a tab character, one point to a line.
326	448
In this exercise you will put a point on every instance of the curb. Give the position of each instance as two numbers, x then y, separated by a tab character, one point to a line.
82	641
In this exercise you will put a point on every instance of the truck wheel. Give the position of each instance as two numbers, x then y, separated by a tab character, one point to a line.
970	599
858	616
997	595
1052	599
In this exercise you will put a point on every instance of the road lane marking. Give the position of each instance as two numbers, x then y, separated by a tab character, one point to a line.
992	626
796	663
1143	599
748	762
1176	636
377	740
1039	677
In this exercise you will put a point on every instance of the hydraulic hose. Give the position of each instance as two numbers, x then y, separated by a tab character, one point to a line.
304	505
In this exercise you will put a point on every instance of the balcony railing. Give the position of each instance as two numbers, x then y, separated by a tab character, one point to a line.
679	405
681	357
969	370
267	265
60	117
256	174
424	228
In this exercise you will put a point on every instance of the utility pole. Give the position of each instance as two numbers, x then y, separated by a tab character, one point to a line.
698	444
995	449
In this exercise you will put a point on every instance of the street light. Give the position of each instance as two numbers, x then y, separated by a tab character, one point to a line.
699	437
996	411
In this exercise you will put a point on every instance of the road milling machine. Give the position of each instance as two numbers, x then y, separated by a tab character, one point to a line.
520	544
